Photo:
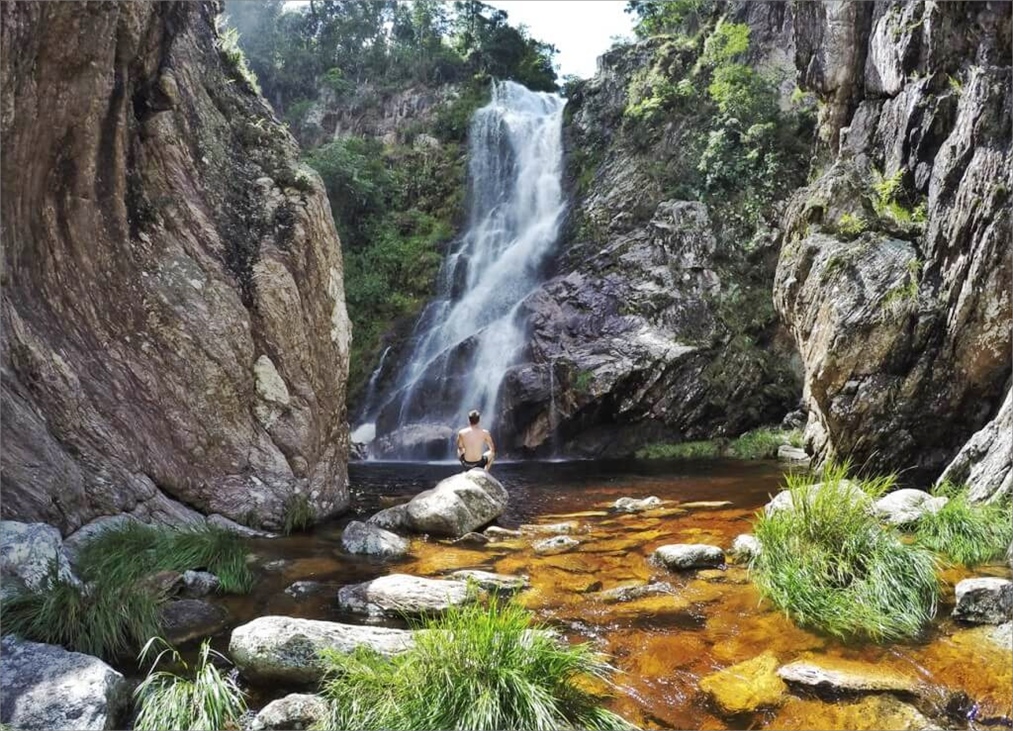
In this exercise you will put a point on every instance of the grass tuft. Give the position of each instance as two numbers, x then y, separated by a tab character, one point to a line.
299	514
759	443
476	667
830	566
965	532
207	700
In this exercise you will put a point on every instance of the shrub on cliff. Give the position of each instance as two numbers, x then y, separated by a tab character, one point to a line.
480	668
830	566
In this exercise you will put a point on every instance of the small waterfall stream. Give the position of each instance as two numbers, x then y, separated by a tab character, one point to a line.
469	335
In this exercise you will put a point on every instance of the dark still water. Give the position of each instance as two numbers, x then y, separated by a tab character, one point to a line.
662	645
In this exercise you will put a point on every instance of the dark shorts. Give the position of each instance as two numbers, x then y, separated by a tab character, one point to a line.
471	465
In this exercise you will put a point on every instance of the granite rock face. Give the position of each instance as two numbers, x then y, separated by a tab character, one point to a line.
985	463
895	275
174	325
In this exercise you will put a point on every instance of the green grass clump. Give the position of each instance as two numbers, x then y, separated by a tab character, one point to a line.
682	450
207	700
830	565
105	620
965	532
299	514
759	443
477	667
125	554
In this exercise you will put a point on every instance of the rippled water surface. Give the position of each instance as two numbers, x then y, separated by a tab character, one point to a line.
662	645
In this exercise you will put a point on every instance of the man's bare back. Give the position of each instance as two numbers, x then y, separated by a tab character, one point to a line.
471	443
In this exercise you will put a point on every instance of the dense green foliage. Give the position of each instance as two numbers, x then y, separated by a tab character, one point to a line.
478	667
831	566
122	555
109	620
343	44
965	532
759	443
199	699
118	611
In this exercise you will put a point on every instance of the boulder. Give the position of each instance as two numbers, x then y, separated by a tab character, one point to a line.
394	518
785	499
905	506
199	583
633	505
555	544
294	712
399	595
746	687
187	619
457	505
792	455
46	687
746	546
985	600
680	556
835	675
373	540
498	583
29	552
286	649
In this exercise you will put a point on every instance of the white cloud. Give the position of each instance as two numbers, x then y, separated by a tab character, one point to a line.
582	30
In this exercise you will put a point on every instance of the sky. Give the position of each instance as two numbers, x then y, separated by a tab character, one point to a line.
582	30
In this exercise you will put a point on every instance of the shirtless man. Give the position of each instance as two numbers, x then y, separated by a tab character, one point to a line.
470	441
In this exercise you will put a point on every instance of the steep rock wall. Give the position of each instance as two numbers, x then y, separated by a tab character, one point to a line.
174	326
896	276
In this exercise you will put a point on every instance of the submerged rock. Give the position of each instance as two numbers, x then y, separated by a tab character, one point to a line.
986	600
633	505
569	526
835	675
680	556
500	583
880	712
746	687
46	687
457	505
302	589
294	712
373	540
286	649
553	545
905	506
632	593
399	595
187	619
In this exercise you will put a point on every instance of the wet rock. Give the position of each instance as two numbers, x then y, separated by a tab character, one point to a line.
632	593
457	505
551	528
187	619
680	556
398	595
633	505
785	500
46	687
294	712
472	539
706	504
495	532
880	712
28	551
986	600
302	589
746	547
792	455
746	687
372	540
199	583
834	675
286	649
394	518
553	545
164	584
499	583
905	506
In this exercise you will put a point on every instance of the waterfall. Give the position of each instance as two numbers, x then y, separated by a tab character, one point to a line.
469	335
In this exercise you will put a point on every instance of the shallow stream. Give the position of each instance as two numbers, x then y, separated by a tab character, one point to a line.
662	645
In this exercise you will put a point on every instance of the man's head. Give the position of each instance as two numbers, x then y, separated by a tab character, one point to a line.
473	417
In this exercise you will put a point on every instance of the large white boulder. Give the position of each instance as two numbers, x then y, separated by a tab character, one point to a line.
398	595
286	649
457	505
907	506
48	687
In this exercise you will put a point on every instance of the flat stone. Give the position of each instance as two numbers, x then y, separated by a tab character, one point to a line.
905	506
187	619
831	674
985	600
680	556
372	540
631	593
792	455
397	595
500	583
555	544
46	687
566	527
494	531
706	504
286	649
294	712
746	687
633	505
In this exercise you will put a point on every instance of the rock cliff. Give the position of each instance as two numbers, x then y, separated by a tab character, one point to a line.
895	276
174	325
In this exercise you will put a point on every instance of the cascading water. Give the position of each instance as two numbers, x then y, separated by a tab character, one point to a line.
469	335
